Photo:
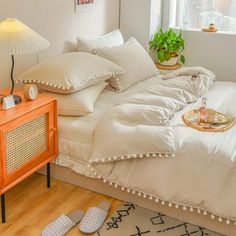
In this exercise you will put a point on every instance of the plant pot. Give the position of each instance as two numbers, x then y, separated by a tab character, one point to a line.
173	61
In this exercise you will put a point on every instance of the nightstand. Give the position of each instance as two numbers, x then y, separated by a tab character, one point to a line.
28	141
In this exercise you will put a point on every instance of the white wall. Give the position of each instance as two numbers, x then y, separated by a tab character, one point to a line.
140	19
56	21
135	19
215	51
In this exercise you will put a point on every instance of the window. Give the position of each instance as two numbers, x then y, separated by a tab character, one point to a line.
200	13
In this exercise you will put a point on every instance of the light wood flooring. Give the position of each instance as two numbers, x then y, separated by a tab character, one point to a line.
30	205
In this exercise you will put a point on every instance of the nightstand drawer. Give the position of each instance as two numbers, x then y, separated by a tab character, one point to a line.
27	141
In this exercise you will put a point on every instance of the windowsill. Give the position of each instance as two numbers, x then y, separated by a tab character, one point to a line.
200	31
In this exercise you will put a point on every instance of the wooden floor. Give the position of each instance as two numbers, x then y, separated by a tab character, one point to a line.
30	205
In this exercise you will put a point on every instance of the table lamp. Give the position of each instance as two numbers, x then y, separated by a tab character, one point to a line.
16	39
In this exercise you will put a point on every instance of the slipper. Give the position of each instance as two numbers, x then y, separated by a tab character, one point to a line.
63	224
94	218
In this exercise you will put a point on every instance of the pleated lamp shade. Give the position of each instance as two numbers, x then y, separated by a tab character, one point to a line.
17	38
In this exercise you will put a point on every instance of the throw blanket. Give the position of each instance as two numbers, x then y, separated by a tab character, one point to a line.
139	127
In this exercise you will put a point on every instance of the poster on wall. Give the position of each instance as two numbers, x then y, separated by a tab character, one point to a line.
84	5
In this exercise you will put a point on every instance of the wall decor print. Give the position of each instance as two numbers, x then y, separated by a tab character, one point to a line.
83	5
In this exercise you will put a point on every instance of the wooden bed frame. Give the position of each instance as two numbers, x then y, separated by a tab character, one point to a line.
67	175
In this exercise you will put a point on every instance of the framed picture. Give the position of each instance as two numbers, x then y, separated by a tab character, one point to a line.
83	5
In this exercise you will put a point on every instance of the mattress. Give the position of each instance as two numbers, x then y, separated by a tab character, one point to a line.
76	133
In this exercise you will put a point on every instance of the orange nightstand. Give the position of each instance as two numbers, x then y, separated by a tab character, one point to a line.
28	141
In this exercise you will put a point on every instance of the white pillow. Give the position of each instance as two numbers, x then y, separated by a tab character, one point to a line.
135	61
111	39
79	103
70	72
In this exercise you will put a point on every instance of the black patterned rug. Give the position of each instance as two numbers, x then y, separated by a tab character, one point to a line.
131	220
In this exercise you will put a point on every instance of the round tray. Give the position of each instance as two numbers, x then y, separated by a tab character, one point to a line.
209	30
218	122
163	67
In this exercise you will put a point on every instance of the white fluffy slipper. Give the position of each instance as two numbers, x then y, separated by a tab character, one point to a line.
94	218
62	224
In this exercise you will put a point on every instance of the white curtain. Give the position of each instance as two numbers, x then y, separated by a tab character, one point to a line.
200	13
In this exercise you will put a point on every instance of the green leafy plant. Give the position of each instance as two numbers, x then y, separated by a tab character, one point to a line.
167	45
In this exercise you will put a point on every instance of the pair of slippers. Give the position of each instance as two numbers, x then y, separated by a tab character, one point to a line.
89	222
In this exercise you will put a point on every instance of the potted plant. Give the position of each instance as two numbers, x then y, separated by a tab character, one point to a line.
169	46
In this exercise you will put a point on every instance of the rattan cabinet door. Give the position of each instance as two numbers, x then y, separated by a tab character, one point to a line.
26	142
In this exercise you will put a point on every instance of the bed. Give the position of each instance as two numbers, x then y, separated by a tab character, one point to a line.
209	181
133	145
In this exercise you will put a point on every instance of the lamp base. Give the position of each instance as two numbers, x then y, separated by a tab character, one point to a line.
17	99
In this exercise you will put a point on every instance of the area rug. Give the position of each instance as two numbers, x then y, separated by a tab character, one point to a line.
131	220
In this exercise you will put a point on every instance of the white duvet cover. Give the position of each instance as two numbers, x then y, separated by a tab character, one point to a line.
202	176
76	133
139	125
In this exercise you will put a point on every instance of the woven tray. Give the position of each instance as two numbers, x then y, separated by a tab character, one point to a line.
163	67
209	30
217	122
